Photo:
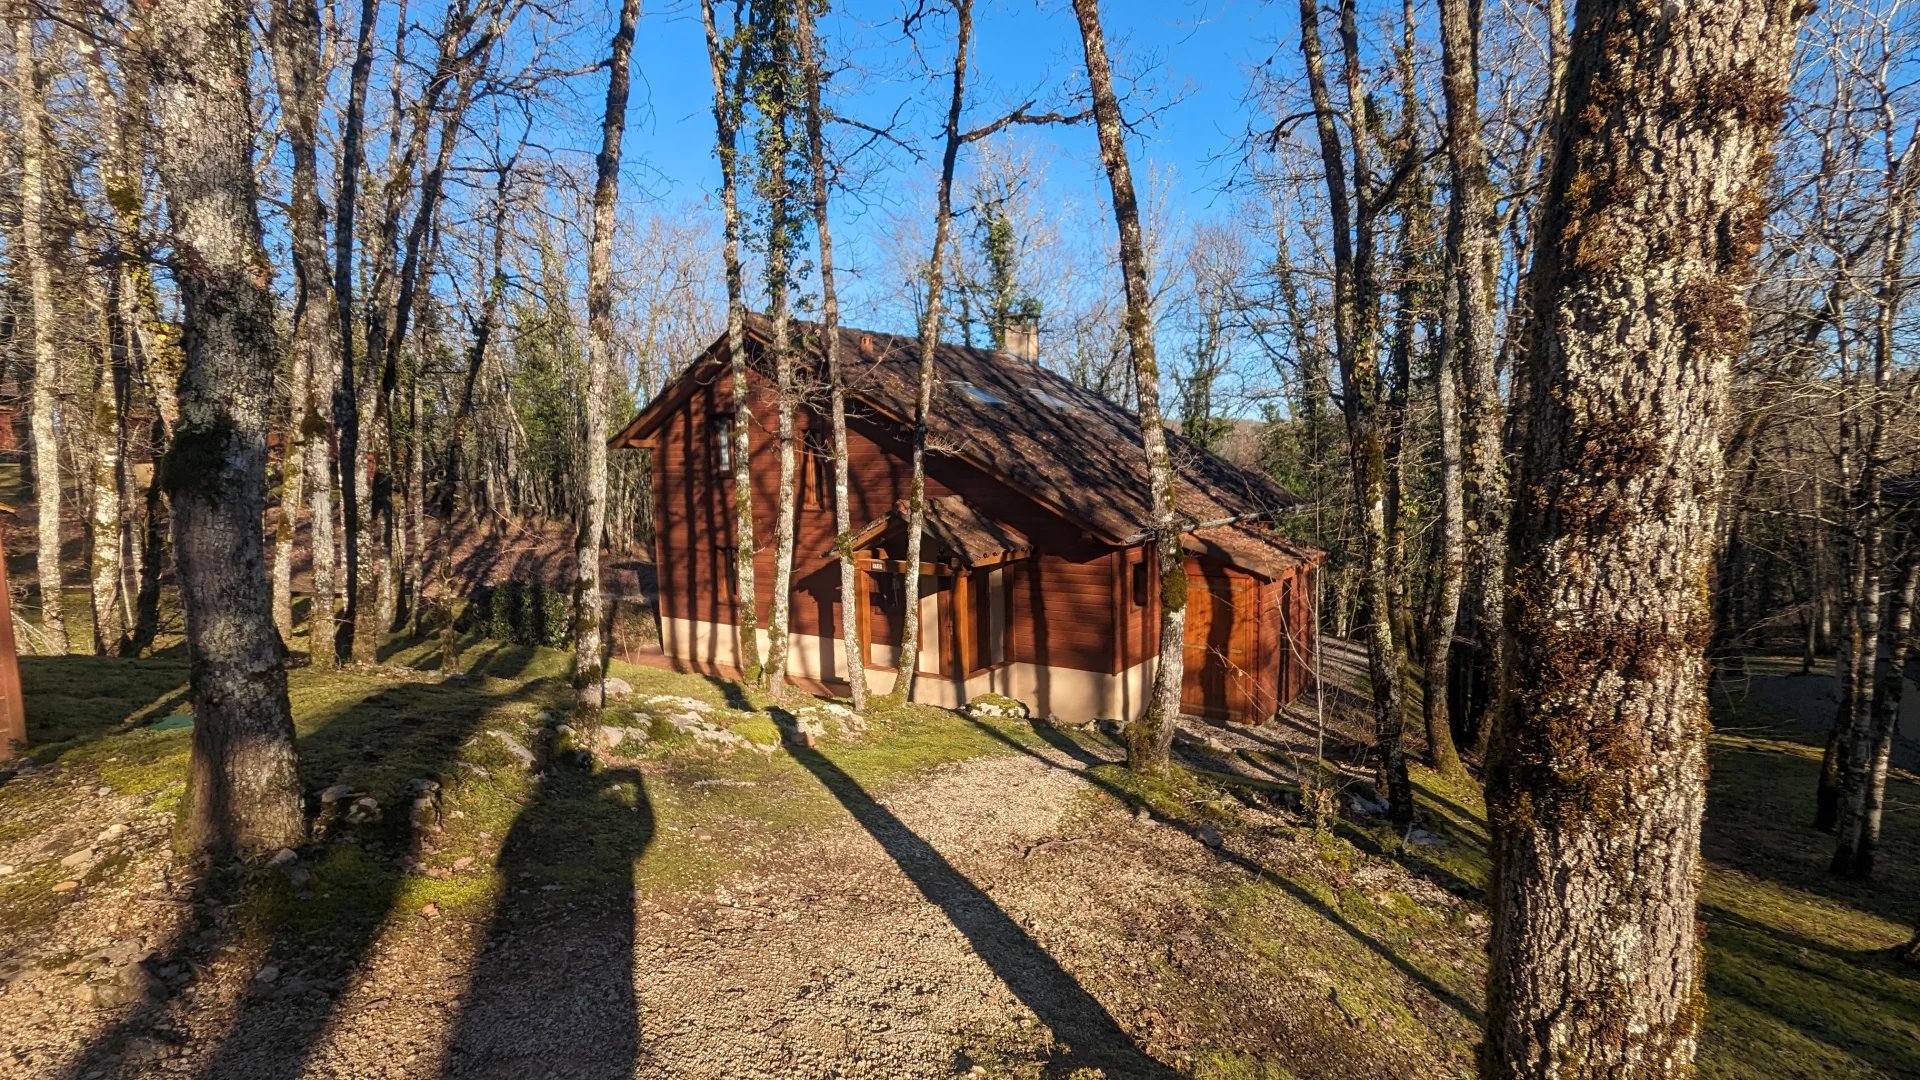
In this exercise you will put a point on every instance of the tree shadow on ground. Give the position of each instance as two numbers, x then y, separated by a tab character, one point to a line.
323	915
1292	888
77	700
1755	825
552	992
1761	978
1085	1034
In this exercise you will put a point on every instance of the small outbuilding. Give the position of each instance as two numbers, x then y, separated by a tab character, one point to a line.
1038	579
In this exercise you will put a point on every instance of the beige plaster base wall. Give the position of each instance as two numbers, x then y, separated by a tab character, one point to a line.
1068	694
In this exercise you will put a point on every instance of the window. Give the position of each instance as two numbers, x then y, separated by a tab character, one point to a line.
978	393
1052	400
723	442
816	475
1140	583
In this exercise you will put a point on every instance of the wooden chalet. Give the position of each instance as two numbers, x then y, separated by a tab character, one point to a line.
1038	579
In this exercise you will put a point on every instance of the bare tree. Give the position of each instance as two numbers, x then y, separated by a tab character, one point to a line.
1150	739
34	260
1472	267
1651	217
813	71
588	659
293	37
1356	199
244	788
728	65
907	667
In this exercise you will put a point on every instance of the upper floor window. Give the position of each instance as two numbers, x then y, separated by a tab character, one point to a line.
723	442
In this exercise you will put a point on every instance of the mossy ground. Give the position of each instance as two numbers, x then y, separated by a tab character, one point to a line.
1799	979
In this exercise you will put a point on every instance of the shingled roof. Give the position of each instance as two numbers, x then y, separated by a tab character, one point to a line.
1068	448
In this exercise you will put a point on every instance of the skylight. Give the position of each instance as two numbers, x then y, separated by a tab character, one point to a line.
977	393
1045	397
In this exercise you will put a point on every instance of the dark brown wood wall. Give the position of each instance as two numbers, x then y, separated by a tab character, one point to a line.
1062	607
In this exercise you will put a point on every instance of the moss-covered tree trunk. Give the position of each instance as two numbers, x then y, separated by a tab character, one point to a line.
589	661
728	67
1150	739
1654	208
815	75
244	791
773	93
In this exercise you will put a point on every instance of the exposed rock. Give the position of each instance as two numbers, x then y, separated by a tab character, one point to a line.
463	862
616	687
337	793
84	857
1209	836
283	857
1423	838
267	975
66	886
366	808
113	832
6	869
520	753
684	704
996	707
613	738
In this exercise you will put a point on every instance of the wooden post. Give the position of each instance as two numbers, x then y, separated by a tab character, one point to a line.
13	712
962	628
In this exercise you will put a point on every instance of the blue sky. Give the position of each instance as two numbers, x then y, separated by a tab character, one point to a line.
1194	57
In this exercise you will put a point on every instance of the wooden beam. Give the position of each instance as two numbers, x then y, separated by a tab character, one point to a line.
899	566
963	625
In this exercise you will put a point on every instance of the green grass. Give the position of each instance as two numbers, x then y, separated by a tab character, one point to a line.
1798	975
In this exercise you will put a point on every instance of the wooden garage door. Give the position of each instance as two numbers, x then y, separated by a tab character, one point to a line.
1219	680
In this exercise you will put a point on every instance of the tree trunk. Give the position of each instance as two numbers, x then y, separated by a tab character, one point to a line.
726	121
907	666
244	789
1449	550
1855	749
1652	213
1888	690
293	35
588	657
1150	740
1356	302
856	667
1471	270
32	263
782	241
103	509
354	499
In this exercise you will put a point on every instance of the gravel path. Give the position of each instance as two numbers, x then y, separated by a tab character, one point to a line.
952	925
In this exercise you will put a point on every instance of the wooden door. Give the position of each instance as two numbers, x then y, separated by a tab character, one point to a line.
1221	666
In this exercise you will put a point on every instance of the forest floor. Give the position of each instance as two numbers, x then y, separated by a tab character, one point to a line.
738	890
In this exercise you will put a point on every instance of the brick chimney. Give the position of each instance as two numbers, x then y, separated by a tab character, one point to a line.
1023	337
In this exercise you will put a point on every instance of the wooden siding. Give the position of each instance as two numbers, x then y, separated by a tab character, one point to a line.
1061	601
